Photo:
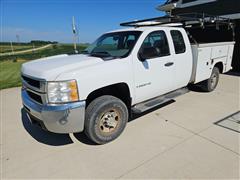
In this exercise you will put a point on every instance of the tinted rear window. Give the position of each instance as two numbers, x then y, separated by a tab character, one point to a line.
178	42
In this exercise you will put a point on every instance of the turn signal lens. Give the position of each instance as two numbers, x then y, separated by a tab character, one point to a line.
74	91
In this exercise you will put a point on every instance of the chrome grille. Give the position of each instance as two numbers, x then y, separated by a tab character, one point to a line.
35	88
32	82
35	97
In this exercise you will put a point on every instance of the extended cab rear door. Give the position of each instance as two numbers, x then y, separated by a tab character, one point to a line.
182	55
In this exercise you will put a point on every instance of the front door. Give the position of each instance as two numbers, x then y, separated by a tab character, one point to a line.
154	67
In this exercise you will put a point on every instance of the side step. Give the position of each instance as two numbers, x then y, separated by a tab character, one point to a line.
149	104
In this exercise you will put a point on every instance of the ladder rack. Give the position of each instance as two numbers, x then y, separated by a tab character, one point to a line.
186	20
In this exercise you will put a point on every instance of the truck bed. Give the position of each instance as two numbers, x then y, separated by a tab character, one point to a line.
206	55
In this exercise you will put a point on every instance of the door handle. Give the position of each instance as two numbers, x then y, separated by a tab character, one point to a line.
169	64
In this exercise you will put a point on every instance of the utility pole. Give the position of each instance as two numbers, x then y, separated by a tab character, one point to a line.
75	35
33	47
12	47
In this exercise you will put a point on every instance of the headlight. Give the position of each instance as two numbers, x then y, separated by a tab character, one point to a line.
62	91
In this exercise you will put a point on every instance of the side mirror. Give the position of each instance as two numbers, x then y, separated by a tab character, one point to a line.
141	57
147	53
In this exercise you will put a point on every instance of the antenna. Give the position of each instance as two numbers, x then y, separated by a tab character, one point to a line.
75	35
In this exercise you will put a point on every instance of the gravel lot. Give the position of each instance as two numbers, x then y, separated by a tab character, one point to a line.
189	138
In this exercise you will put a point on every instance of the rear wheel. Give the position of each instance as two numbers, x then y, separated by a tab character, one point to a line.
106	118
211	83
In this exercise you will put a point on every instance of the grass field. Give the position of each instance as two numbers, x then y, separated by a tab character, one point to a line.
7	48
10	65
51	51
10	74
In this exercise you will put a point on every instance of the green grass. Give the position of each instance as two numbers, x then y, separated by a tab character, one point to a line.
7	48
10	74
10	65
51	51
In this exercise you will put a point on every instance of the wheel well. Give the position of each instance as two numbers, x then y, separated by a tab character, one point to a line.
219	65
120	90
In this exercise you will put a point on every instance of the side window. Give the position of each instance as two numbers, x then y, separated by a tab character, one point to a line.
178	42
155	45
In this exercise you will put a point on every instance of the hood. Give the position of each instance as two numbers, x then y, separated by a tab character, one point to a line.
49	68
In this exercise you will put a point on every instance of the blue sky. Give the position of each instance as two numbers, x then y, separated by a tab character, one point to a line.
51	19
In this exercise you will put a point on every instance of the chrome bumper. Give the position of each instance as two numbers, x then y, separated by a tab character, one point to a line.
64	118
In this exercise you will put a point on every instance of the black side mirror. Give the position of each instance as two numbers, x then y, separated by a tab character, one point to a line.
147	53
141	56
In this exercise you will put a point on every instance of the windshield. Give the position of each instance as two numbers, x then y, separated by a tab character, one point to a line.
116	45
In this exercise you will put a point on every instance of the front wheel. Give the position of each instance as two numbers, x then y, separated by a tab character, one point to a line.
211	83
106	118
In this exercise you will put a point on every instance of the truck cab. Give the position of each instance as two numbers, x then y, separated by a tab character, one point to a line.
125	70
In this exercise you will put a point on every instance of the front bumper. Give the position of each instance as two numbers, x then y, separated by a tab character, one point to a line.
64	118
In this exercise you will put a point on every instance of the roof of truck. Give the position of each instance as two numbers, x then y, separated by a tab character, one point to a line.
145	28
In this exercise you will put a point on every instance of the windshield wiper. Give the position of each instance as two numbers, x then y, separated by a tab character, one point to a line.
85	52
101	54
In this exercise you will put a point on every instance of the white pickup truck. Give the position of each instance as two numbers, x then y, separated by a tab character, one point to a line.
123	71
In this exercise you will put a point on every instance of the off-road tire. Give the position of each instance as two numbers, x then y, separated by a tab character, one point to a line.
95	113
